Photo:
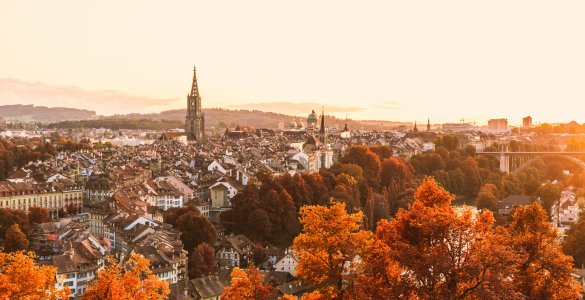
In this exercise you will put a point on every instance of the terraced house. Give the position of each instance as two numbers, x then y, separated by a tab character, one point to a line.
59	195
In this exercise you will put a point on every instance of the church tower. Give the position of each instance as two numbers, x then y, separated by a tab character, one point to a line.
322	133
195	121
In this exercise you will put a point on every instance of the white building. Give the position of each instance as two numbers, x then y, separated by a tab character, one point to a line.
287	263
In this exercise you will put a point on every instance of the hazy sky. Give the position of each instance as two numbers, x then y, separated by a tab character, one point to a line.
391	60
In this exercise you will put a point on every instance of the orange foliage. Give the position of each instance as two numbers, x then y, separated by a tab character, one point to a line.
330	246
309	296
247	285
432	252
545	271
133	280
21	278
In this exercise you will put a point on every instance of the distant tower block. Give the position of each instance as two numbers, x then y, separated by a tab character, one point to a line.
195	121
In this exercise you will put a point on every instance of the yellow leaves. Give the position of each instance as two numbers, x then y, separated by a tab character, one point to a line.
21	278
247	285
330	245
133	280
430	194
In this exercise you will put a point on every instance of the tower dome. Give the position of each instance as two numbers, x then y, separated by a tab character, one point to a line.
312	118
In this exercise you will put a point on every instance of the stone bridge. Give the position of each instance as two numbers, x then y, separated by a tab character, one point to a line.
518	161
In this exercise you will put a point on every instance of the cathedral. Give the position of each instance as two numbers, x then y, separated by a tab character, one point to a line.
195	121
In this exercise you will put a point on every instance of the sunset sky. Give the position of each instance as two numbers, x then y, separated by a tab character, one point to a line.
390	60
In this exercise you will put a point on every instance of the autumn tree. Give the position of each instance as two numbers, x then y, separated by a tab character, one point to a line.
37	215
367	160
21	278
472	176
195	229
201	261
258	226
259	254
396	170
544	271
574	243
308	296
487	197
15	239
382	151
431	252
329	247
297	188
8	217
319	193
347	191
131	280
247	285
350	169
549	194
283	216
174	213
243	203
450	142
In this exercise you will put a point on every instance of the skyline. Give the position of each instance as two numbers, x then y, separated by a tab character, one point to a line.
379	60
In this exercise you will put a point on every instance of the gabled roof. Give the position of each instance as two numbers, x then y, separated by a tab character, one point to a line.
209	286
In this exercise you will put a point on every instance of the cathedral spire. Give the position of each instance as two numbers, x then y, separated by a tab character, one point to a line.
195	120
194	87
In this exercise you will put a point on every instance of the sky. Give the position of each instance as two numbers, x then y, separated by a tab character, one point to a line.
386	60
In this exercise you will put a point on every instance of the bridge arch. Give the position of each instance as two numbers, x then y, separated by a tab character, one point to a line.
509	160
580	163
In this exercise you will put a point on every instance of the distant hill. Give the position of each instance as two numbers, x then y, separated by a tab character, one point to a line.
31	113
219	117
215	118
222	118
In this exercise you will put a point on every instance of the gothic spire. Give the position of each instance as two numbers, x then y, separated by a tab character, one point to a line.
194	88
322	129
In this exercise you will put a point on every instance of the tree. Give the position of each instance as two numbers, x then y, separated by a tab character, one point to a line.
8	217
549	194
132	280
450	142
243	203
486	198
329	246
382	151
21	278
283	216
395	169
472	177
258	225
352	170
574	243
259	254
15	239
37	215
202	261
247	285
367	160
545	271
347	191
431	252
195	229
310	296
